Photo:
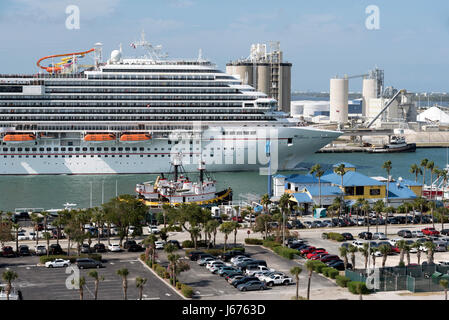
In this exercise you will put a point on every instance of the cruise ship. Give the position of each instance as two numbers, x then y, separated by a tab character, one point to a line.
132	115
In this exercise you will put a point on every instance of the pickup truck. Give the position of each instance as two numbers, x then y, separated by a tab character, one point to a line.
277	279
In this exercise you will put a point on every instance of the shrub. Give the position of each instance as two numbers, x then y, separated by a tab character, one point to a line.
270	244
318	266
166	275
186	290
335	236
178	285
174	228
285	252
325	270
332	273
187	244
342	281
352	287
253	241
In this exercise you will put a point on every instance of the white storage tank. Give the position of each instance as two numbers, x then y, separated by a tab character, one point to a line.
339	100
369	91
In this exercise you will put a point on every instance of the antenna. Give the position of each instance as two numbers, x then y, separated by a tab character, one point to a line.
154	52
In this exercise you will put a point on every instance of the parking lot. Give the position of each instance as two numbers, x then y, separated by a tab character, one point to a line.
40	283
212	286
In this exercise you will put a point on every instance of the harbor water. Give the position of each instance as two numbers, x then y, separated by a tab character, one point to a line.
49	192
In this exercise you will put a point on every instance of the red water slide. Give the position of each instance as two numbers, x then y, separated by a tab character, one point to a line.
57	69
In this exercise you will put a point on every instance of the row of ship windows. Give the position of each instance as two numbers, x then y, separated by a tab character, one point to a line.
131	111
138	118
127	97
141	90
98	149
153	77
130	83
121	104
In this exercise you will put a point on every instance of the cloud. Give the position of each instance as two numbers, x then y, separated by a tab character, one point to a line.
181	3
152	25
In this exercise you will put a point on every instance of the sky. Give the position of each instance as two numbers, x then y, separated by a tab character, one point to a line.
321	39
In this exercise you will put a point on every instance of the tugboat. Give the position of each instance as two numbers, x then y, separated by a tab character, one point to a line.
180	190
397	144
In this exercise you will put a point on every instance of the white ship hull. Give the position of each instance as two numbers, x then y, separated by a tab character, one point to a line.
220	152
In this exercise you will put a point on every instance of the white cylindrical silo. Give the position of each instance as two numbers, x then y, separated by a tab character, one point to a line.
369	91
263	78
339	100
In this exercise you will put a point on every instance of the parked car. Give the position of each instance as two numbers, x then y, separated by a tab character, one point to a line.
244	279
240	259
99	247
417	234
252	285
319	256
234	277
40	250
194	255
57	263
86	263
114	247
430	231
347	236
405	233
159	244
440	247
175	243
379	236
339	265
393	242
277	279
329	257
230	254
128	243
153	230
237	218
307	250
445	232
55	249
251	270
315	252
366	235
135	248
212	263
8	252
358	244
85	248
223	269
24	250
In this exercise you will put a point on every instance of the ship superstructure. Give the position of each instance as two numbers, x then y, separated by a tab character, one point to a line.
130	115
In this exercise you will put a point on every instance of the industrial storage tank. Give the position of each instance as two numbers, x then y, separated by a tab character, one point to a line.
339	100
263	77
369	91
285	86
243	70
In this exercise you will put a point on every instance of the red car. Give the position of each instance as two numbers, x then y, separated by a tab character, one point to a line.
430	232
307	250
329	257
319	256
314	253
238	219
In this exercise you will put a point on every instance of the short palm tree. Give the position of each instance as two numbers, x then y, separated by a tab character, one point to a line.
344	255
9	276
316	169
387	166
444	283
283	204
80	283
424	167
416	170
309	266
226	228
341	171
431	167
352	250
97	278
296	271
385	251
365	253
430	246
401	246
124	274
417	246
140	282
47	237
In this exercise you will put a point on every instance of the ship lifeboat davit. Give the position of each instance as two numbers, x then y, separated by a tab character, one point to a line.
135	137
99	137
19	138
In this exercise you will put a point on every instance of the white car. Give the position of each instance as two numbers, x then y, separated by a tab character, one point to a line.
233	259
250	218
252	270
203	262
277	279
23	237
358	243
216	267
238	261
379	236
153	230
159	244
212	263
57	263
443	263
114	247
394	241
417	234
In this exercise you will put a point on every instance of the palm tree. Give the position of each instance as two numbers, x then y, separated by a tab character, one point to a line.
316	169
372	252
430	246
283	204
226	228
309	266
140	282
341	170
431	167
80	283
149	242
265	201
124	274
344	255
16	228
417	246
296	271
424	166
36	219
359	290
236	229
387	166
379	207
432	206
9	276
94	274
444	283
352	250
365	253
416	170
47	237
401	246
388	210
407	252
366	209
385	251
213	225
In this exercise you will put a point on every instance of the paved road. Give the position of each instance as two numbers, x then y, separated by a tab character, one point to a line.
40	283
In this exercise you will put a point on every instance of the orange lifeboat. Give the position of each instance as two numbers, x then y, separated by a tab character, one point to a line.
19	137
135	137
99	137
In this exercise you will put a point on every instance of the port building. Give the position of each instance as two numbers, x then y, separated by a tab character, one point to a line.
305	189
265	70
